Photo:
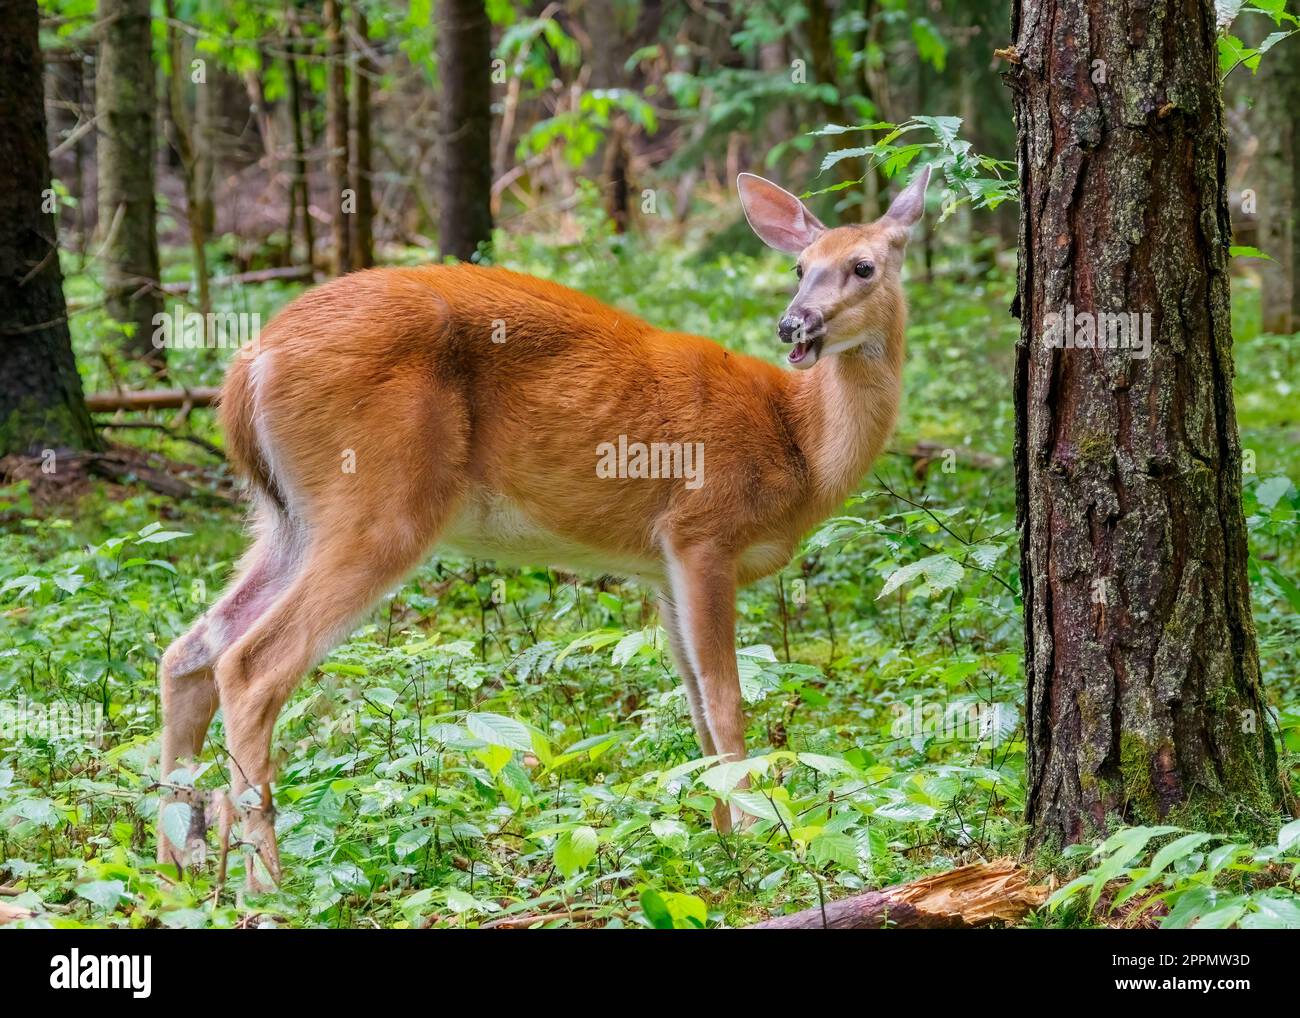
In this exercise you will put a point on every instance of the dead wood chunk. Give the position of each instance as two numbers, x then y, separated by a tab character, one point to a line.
964	898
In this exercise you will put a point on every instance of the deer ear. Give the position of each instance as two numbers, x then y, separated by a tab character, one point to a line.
906	209
779	218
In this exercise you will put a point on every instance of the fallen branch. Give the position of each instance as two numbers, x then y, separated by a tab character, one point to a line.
151	399
124	469
964	898
925	451
289	273
172	433
526	922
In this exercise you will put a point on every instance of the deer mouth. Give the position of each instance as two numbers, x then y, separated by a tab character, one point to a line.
805	351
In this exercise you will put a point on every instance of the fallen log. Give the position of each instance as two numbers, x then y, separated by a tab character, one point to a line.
151	399
964	898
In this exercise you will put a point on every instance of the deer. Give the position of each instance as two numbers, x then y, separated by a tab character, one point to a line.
470	402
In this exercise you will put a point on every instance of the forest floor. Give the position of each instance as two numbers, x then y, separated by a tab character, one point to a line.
502	743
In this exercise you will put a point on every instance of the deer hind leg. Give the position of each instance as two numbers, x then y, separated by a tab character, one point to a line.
187	677
703	586
345	570
672	624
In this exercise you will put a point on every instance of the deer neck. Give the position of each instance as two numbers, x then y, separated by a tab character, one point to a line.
844	409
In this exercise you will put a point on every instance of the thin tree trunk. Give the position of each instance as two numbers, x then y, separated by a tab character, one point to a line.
189	158
363	238
336	102
1144	701
1279	87
41	403
124	103
606	59
821	42
302	182
465	191
205	150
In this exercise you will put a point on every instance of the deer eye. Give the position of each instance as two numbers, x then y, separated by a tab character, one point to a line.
798	272
864	269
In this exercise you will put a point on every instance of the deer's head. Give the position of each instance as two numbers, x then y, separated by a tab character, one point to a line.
848	276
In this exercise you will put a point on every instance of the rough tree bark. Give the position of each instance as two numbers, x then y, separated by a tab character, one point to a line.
124	106
41	404
465	177
1143	688
336	119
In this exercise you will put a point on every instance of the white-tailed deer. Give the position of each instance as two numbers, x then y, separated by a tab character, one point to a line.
394	410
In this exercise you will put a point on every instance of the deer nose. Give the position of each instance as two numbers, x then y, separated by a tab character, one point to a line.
799	325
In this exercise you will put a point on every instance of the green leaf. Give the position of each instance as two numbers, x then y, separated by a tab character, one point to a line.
161	536
756	804
459	901
655	909
1120	849
103	893
1064	894
827	764
1270	492
840	849
499	730
1289	589
726	776
175	822
574	850
1275	909
1188	907
942	572
409	842
1245	251
1289	836
1177	849
906	812
672	833
1223	915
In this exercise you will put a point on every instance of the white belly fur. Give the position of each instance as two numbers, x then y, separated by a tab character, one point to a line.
491	526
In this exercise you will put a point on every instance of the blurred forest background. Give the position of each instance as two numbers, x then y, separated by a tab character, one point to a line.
512	743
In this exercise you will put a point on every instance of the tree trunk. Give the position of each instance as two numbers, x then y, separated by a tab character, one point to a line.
822	45
205	149
336	117
1143	697
465	191
1279	87
363	222
41	404
188	151
124	104
301	196
609	44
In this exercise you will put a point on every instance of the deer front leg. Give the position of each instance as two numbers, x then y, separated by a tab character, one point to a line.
703	584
